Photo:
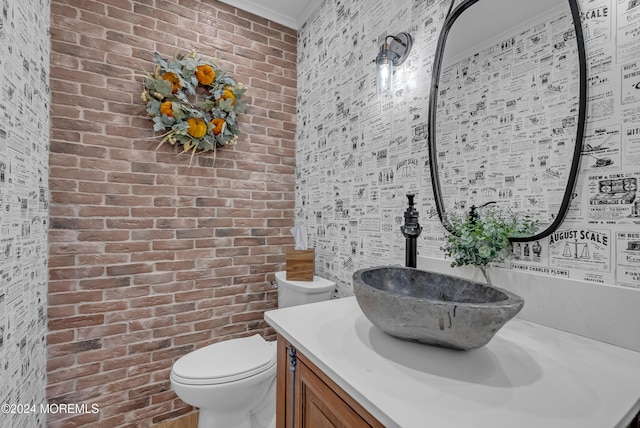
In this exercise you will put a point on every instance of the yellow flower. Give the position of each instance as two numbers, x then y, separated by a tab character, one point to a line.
197	127
218	125
166	108
173	79
205	74
227	94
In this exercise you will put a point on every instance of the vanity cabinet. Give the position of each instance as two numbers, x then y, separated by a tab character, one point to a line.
529	376
306	397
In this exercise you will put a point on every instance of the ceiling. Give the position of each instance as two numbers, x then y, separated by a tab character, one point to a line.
290	13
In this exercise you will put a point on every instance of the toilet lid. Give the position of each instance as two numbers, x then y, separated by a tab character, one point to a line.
225	361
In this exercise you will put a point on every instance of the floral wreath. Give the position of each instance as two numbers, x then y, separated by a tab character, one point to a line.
211	122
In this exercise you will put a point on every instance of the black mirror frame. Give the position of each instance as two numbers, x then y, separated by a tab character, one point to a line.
582	107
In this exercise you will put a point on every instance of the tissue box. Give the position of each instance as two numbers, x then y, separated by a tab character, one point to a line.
300	265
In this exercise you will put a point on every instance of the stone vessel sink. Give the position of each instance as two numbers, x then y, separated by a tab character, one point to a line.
433	308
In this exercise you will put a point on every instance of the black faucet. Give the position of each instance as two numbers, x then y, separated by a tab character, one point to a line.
473	214
411	230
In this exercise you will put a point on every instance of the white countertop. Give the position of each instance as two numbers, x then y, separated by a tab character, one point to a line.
527	376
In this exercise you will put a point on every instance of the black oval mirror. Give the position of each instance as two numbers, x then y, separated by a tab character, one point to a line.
507	109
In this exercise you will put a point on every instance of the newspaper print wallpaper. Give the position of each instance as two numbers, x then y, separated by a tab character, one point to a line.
358	154
24	196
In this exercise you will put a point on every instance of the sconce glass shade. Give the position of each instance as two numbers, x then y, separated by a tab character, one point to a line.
391	54
384	64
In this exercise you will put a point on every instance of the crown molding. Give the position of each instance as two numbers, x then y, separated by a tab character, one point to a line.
306	13
288	20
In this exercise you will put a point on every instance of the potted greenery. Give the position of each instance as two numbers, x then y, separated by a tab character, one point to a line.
479	240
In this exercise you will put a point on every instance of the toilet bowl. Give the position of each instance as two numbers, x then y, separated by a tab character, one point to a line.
233	383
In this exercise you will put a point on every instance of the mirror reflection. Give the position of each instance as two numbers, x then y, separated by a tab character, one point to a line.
505	110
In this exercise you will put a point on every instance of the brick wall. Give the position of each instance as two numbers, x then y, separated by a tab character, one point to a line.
151	258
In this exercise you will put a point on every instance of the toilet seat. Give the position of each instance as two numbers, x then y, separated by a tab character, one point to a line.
226	361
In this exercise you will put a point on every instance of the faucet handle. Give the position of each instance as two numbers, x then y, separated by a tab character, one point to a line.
410	197
473	213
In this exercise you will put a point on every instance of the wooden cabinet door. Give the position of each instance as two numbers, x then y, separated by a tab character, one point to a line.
318	406
307	397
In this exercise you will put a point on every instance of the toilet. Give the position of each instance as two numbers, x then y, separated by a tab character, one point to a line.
233	382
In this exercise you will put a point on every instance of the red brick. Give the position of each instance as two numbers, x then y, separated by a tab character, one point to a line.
60	362
127	247
73	322
103	235
159	212
73	373
60	337
75	198
128	200
95	187
63	273
126	293
150	301
131	314
104	283
99	378
125	223
102	259
153	278
192	274
153	234
129	269
75	173
200	336
127	338
152	256
151	323
102	307
61	261
101	211
182	265
199	315
102	93
74	297
151	369
127	362
173	244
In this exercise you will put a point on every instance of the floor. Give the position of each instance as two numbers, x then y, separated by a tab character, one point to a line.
186	421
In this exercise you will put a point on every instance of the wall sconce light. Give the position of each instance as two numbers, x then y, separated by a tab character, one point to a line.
392	53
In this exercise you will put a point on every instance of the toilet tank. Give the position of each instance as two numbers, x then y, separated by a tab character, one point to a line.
293	293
